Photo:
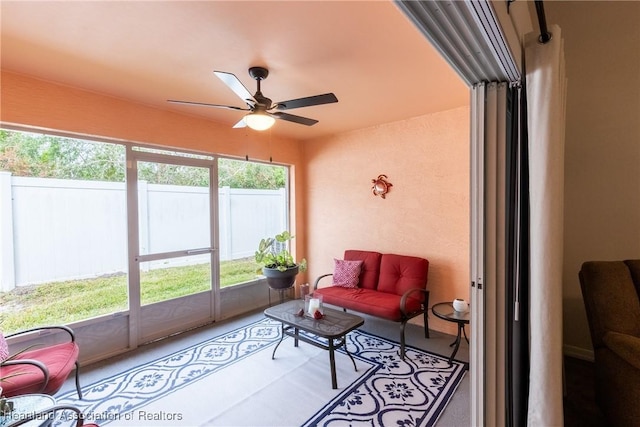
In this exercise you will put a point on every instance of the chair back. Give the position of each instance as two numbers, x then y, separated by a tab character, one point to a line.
610	290
400	273
370	266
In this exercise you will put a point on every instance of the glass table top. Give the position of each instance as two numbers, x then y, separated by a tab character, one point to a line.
26	405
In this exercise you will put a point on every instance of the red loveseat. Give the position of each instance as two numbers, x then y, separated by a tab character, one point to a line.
388	286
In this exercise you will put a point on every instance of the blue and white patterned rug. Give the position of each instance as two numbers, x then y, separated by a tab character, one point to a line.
231	380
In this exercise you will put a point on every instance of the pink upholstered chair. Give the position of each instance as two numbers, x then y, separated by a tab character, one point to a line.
42	368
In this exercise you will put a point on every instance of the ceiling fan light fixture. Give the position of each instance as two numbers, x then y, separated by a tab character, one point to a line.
259	121
258	118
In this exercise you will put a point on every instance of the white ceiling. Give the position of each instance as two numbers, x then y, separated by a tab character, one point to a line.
366	52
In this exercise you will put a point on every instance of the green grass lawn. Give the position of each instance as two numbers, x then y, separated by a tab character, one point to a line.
66	302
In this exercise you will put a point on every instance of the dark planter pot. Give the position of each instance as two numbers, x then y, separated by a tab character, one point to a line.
277	279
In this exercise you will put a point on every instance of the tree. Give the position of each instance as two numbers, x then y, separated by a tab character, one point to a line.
243	174
49	156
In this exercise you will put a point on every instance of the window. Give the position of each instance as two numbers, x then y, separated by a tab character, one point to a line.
253	204
63	226
63	232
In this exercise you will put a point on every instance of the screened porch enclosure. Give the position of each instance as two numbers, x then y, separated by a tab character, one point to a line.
66	243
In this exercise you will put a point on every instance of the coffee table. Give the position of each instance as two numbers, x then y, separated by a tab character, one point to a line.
334	326
445	311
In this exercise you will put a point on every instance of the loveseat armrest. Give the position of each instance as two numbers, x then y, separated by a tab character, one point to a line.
625	346
405	296
315	284
67	329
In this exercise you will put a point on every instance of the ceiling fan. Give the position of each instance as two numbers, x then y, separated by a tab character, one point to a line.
262	114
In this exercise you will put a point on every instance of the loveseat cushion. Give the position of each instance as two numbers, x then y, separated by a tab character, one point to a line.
59	360
379	304
370	266
400	273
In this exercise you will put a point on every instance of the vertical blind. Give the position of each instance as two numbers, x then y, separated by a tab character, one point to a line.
467	34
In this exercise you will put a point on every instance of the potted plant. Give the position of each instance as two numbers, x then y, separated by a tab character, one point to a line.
278	265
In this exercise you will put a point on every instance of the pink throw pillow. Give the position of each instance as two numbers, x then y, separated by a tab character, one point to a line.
347	273
4	348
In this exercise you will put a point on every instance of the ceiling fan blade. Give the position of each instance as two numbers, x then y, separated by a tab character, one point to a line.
202	104
295	119
240	124
308	101
236	86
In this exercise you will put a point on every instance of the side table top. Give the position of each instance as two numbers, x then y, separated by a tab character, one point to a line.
445	311
24	405
334	324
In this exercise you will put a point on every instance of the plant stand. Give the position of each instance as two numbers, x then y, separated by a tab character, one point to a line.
281	292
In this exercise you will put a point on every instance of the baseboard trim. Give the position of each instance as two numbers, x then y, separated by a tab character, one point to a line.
578	352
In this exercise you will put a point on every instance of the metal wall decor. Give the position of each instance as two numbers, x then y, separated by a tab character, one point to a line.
381	186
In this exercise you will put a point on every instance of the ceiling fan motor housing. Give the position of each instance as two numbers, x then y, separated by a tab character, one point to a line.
258	73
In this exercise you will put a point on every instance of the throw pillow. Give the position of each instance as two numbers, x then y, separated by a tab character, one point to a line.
347	273
4	348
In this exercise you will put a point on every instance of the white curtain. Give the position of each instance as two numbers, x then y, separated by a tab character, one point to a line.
546	89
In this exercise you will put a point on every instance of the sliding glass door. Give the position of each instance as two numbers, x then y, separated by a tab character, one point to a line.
172	205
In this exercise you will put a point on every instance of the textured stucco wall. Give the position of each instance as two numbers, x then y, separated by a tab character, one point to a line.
425	214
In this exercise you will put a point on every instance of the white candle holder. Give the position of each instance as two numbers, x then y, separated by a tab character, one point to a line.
460	305
312	303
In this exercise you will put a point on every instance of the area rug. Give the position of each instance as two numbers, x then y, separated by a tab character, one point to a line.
232	380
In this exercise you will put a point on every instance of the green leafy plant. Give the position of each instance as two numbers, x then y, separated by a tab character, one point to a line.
273	252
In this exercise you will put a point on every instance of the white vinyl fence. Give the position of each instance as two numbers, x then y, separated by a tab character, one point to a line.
55	230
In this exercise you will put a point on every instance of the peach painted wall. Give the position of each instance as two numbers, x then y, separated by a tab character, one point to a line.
425	214
26	101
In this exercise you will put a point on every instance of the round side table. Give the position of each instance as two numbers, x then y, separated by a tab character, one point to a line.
445	311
